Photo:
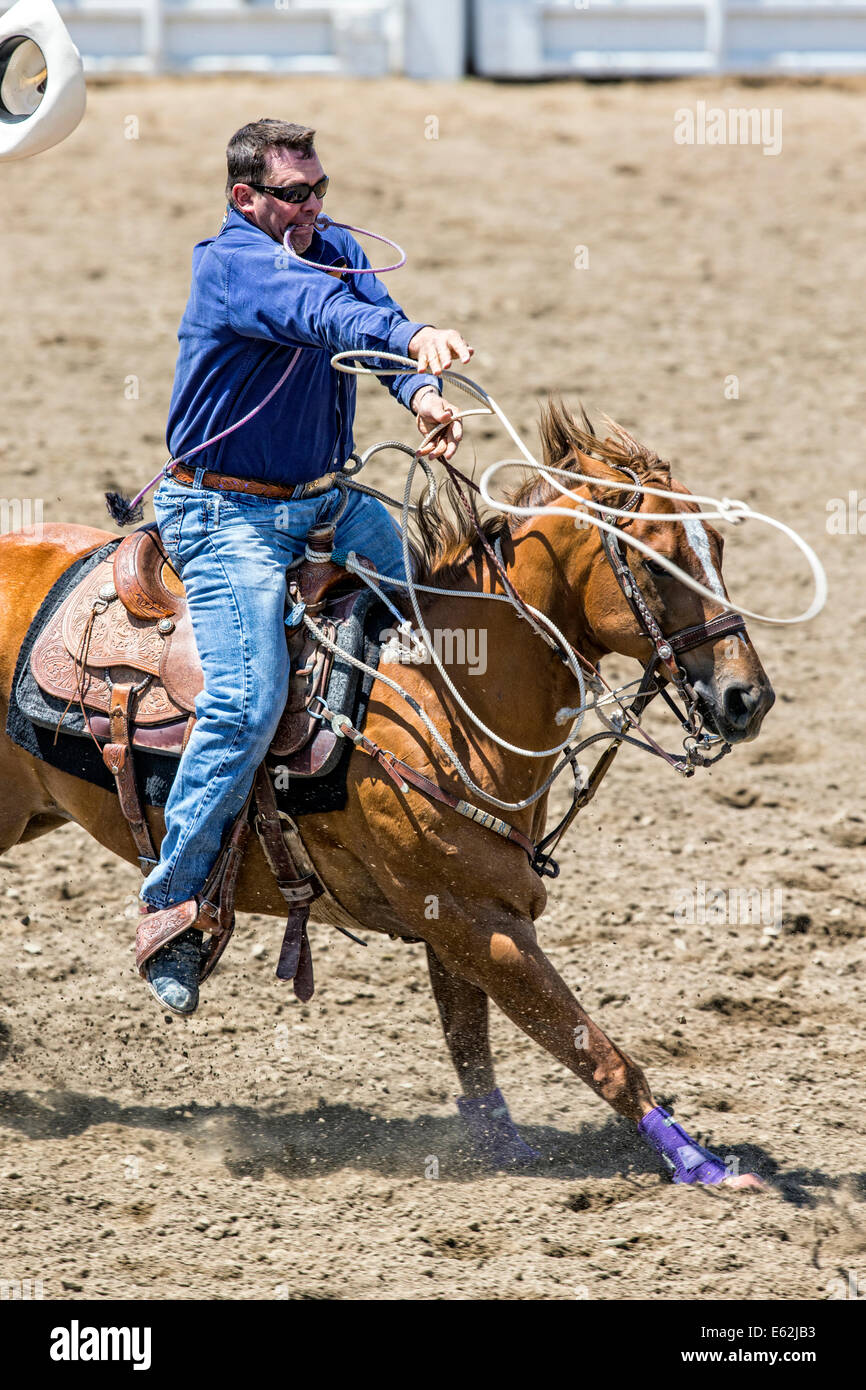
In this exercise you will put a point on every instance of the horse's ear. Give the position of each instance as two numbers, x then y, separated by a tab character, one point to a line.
588	426
42	89
621	447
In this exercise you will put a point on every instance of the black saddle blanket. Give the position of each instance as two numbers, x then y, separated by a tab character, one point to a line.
33	715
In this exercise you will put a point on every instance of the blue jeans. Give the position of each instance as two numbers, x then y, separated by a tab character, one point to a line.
233	556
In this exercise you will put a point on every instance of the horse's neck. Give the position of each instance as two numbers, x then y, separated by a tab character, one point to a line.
524	683
548	563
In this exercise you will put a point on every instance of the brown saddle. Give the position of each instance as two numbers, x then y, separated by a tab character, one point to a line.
126	627
122	646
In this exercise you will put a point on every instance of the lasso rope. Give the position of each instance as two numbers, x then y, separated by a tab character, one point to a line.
732	511
727	510
322	223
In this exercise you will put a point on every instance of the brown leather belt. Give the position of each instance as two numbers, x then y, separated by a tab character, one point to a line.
182	473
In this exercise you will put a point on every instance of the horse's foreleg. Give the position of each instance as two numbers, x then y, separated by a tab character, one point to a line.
464	1011
508	965
506	962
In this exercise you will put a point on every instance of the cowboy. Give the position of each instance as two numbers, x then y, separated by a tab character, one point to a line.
250	307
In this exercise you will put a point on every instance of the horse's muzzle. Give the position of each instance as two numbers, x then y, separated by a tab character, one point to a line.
735	710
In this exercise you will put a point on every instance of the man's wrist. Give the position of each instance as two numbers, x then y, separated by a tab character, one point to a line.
416	396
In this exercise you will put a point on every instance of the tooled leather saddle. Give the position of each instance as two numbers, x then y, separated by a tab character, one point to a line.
122	646
123	643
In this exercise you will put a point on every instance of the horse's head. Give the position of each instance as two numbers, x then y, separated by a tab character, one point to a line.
732	689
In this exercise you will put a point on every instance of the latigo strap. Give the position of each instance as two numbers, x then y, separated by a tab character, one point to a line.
117	756
405	776
299	890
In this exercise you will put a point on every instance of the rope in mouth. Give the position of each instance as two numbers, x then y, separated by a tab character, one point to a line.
321	224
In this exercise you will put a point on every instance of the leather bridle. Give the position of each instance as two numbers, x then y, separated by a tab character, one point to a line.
662	669
667	647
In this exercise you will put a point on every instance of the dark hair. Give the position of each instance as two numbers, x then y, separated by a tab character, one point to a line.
248	149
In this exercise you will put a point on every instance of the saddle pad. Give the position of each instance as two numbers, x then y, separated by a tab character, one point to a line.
39	707
33	715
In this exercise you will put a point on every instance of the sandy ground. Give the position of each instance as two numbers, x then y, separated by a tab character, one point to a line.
264	1149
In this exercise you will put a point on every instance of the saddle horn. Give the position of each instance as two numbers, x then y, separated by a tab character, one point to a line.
42	88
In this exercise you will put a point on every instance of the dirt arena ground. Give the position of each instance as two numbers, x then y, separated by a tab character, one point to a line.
264	1149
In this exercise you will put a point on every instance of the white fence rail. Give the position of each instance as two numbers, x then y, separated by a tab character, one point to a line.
355	37
493	38
599	38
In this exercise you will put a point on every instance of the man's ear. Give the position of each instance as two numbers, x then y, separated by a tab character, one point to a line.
243	196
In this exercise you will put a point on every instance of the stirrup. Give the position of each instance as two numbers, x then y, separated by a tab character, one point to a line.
158	929
173	974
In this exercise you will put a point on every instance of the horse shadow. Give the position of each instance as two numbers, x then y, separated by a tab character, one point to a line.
251	1141
326	1138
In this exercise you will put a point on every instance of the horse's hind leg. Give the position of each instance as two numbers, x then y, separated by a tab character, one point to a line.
464	1011
24	813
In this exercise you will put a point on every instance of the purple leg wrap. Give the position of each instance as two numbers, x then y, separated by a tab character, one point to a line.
492	1131
685	1160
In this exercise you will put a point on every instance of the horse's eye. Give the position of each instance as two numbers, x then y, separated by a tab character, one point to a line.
655	569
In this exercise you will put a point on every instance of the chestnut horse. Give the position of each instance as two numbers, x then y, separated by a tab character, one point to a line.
390	854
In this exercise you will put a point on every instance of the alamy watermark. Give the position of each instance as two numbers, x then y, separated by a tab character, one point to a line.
21	516
734	125
77	1343
701	904
21	1289
852	1286
454	646
846	516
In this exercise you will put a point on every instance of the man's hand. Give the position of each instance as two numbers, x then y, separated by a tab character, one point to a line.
431	409
435	348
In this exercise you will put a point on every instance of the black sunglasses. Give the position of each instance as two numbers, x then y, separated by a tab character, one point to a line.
294	192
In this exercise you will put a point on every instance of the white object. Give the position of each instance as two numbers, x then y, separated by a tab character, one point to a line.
42	88
434	40
618	38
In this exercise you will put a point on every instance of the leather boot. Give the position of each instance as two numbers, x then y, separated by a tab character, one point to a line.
173	973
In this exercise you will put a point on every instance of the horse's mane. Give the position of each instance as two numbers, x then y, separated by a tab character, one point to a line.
445	541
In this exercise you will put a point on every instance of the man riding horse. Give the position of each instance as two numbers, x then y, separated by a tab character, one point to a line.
232	523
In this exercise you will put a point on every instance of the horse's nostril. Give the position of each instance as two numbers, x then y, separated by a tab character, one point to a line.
740	704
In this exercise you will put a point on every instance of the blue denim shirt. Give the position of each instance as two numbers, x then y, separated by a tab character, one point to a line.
250	306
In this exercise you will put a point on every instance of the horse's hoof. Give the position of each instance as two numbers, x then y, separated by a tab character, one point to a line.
173	973
493	1134
748	1181
688	1162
